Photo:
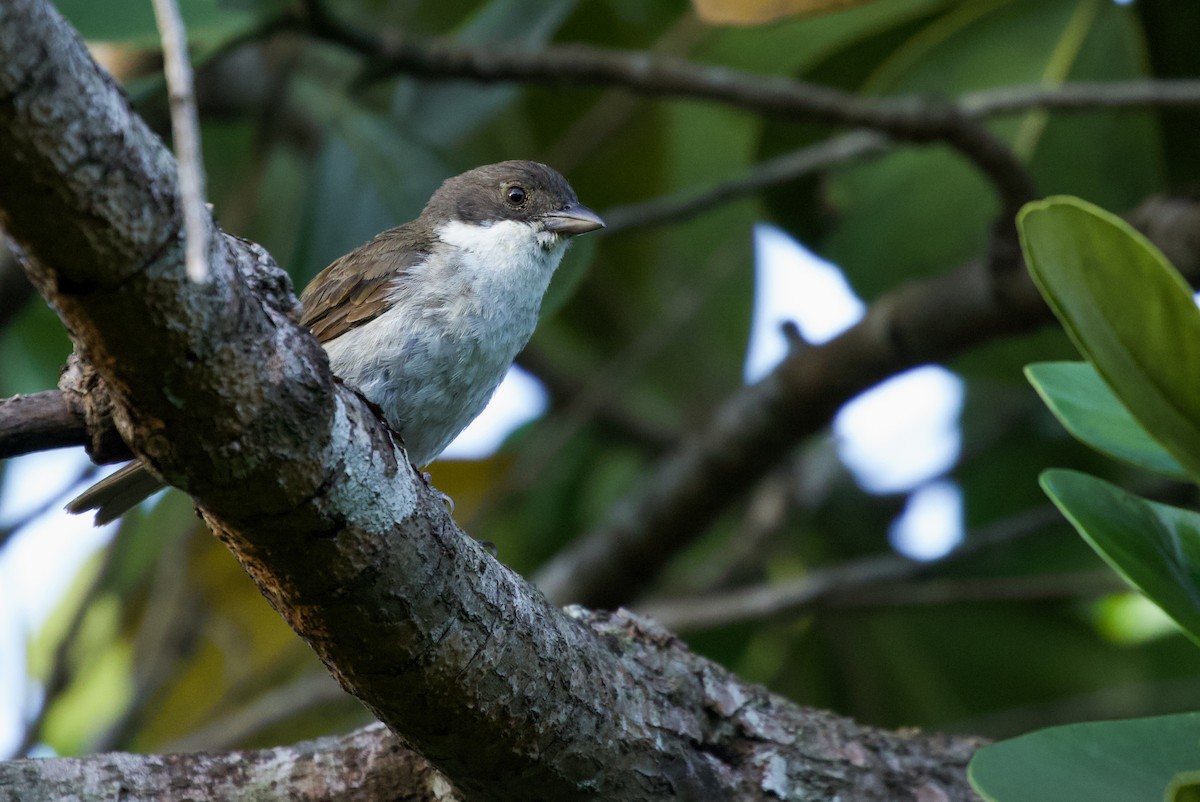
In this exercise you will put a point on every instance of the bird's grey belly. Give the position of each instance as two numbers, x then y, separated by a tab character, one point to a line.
429	386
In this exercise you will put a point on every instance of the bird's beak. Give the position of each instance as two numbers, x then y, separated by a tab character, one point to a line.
573	219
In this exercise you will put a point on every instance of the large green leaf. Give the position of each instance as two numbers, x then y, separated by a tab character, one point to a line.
1128	310
1155	547
1103	761
1086	406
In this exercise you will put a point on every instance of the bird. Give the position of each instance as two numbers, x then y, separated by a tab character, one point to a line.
425	319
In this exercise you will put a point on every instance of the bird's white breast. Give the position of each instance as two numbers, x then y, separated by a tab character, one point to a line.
432	360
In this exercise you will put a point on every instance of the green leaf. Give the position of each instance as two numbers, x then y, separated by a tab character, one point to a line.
1087	408
1103	761
1155	547
1129	312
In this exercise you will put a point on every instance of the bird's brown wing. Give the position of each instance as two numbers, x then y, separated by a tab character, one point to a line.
359	286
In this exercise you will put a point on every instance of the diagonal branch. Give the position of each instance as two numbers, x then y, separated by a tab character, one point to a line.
779	170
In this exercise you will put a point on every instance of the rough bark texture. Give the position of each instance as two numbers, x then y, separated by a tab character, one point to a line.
223	394
365	766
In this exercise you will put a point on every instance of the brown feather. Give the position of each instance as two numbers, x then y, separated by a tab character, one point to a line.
359	286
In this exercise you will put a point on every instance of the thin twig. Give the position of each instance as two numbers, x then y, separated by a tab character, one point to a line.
1082	96
185	131
779	170
784	598
613	111
904	118
907	119
958	590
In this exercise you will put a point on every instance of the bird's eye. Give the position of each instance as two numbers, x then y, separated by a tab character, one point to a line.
516	196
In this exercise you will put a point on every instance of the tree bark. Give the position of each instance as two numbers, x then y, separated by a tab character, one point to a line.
368	765
222	393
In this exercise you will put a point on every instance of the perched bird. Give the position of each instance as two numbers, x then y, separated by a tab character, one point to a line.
425	319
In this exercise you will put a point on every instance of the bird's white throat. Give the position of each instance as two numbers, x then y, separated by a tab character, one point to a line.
479	295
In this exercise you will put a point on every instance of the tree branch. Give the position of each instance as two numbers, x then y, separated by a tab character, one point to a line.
365	766
1083	96
781	169
185	132
219	389
906	119
39	422
791	597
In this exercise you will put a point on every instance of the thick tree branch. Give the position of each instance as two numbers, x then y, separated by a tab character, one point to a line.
923	321
221	392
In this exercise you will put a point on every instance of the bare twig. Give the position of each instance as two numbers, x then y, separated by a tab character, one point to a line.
843	581
613	110
907	119
780	170
758	425
1029	588
1081	96
185	130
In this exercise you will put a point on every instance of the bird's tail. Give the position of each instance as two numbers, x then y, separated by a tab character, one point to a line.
116	494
